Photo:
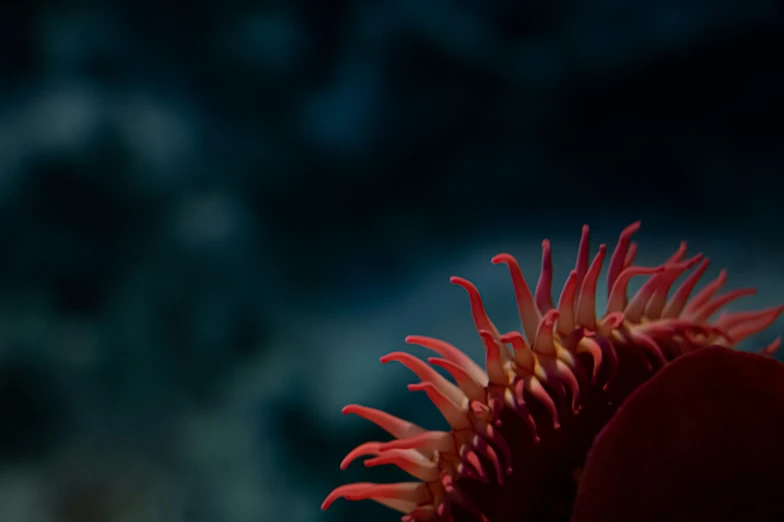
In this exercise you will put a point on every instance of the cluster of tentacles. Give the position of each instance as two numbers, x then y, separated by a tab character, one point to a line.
543	376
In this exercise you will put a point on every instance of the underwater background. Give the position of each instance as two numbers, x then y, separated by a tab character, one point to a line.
216	216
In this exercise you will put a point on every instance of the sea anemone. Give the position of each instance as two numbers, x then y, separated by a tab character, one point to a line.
523	427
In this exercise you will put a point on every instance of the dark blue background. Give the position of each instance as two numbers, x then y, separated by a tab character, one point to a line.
216	216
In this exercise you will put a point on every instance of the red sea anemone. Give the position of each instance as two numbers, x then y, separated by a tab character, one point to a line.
524	445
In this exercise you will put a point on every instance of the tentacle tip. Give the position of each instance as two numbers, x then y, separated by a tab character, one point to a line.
510	336
773	347
413	339
616	319
457	280
502	258
485	334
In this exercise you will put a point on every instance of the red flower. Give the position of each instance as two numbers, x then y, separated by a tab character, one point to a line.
523	425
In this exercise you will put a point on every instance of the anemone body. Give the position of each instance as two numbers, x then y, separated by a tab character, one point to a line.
521	427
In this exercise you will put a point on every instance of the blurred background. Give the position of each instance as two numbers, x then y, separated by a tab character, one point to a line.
215	218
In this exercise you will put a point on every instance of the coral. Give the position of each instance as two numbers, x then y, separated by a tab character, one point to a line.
523	425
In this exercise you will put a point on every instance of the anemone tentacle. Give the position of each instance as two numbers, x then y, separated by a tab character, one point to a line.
543	372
